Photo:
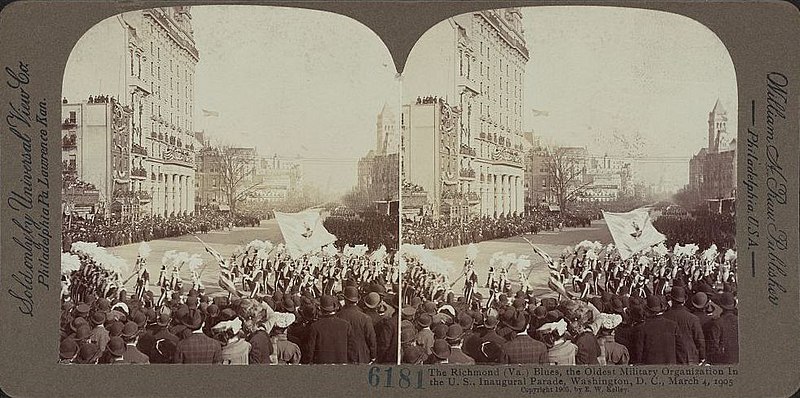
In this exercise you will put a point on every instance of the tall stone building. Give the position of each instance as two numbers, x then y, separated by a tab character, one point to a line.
712	171
155	86
475	65
378	176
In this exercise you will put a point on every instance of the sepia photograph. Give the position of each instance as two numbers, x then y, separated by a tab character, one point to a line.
568	185
230	190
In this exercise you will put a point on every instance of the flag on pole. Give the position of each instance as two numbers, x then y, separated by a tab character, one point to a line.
207	113
303	232
632	231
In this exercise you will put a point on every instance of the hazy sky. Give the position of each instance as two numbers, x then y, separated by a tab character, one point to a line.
600	71
295	82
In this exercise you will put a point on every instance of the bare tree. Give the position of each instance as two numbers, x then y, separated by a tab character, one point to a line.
237	172
566	172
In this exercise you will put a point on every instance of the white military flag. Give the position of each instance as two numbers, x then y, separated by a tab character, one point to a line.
632	231
303	232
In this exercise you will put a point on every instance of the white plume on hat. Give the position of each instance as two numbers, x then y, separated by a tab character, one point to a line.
660	249
378	255
730	255
710	254
168	257
472	252
194	262
560	326
330	250
523	263
69	263
144	250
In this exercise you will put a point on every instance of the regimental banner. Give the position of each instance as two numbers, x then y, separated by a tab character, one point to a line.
632	231
303	232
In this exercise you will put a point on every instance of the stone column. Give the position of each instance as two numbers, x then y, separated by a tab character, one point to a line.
190	194
521	195
170	205
497	198
504	187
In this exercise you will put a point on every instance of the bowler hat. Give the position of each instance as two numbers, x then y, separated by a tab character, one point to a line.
519	303
116	346
408	312
441	349
549	303
519	294
429	307
308	311
465	321
140	318
163	319
130	329
82	310
726	301
519	323
76	323
416	301
288	304
83	332
678	294
102	304
540	312
88	353
439	331
67	349
454	333
115	328
413	355
327	303
98	318
193	320
424	320
351	294
654	303
490	322
212	310
372	300
699	300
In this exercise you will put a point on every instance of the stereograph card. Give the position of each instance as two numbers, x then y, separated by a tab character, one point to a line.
517	198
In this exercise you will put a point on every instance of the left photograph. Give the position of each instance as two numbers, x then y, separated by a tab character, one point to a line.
230	186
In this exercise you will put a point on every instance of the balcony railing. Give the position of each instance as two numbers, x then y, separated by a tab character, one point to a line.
69	142
138	149
69	124
467	173
468	150
139	172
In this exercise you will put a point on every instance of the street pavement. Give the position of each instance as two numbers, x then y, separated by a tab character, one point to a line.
222	241
551	242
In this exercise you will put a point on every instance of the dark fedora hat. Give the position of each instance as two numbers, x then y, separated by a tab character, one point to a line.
131	329
617	306
327	303
98	318
413	355
407	335
88	352
490	322
67	349
163	319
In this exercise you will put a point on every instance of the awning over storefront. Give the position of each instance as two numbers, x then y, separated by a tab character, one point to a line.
554	208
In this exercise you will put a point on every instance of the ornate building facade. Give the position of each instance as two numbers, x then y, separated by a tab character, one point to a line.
712	171
480	80
378	176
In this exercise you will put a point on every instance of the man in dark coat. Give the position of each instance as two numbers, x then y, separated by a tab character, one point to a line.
330	339
386	333
361	324
724	336
691	346
198	348
656	339
455	335
158	343
522	348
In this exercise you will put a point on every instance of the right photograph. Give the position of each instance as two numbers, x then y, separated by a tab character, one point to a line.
568	185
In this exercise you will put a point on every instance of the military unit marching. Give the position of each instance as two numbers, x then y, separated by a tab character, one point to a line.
657	306
271	306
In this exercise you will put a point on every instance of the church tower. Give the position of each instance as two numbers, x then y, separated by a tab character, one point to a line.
718	138
388	140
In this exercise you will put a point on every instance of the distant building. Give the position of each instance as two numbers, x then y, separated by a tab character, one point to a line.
277	179
712	171
378	175
462	123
